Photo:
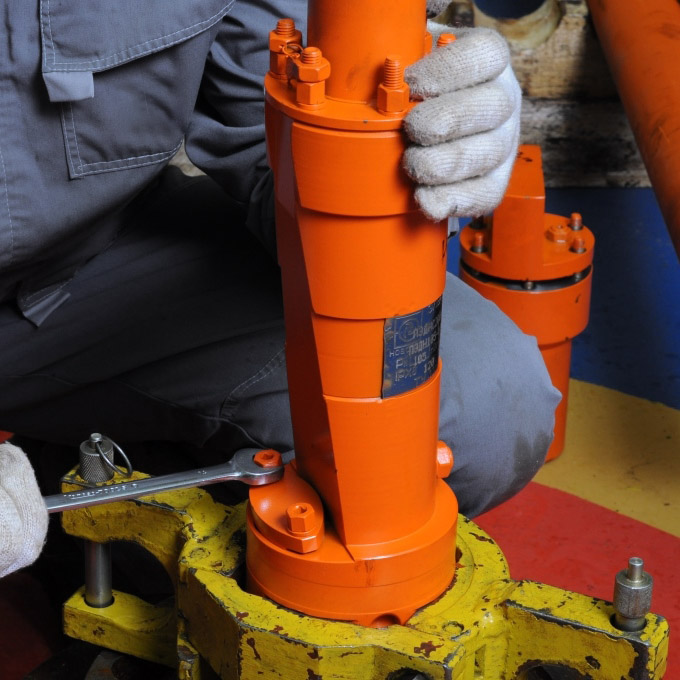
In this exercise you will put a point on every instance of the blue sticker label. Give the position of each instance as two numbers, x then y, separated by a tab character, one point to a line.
411	349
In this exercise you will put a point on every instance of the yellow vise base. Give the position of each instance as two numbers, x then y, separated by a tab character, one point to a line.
485	626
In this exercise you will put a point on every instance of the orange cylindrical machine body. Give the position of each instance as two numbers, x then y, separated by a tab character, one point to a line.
537	268
362	527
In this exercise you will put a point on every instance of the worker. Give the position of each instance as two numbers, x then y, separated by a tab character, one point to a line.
143	303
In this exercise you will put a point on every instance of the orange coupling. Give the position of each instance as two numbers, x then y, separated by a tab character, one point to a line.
362	526
537	268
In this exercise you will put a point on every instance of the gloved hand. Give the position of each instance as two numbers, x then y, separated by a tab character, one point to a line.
466	129
23	515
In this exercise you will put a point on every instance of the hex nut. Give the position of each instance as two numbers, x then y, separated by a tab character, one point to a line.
300	518
313	73
310	94
277	42
393	100
558	233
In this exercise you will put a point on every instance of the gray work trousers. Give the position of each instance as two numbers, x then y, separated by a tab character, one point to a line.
175	334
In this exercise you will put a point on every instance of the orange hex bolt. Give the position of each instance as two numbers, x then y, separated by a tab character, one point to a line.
284	35
393	92
300	518
312	72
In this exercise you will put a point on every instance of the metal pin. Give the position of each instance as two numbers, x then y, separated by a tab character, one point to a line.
635	569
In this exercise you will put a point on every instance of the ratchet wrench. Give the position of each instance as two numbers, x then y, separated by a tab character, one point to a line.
241	468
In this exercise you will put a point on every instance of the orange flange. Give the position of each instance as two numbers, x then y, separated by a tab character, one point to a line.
362	527
537	268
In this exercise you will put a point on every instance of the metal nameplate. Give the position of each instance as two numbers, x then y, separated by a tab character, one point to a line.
411	349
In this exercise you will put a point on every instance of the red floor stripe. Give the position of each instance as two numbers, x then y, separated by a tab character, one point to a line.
559	539
29	628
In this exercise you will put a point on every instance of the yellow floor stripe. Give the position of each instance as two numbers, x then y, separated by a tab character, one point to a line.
621	452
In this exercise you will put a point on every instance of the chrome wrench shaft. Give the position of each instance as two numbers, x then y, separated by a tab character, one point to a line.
241	468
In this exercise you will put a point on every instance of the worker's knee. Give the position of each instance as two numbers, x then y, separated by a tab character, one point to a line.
497	402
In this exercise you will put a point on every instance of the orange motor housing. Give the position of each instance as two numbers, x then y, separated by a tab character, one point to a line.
537	268
362	527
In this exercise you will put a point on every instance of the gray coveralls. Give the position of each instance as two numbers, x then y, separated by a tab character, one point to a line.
144	304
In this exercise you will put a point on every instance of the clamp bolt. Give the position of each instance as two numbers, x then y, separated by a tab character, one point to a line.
300	518
632	596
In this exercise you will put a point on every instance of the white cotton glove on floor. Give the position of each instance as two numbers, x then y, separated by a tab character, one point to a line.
23	515
466	129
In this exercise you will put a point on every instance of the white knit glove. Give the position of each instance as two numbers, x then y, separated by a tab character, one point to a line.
23	515
466	130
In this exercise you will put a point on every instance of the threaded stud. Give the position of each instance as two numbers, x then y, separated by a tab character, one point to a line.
478	245
394	72
285	28
310	55
578	245
576	221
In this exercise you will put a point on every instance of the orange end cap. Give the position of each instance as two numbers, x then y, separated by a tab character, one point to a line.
444	460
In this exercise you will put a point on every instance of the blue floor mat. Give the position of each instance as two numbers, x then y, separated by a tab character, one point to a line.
632	342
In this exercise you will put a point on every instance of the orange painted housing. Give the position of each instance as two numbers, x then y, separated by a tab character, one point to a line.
537	268
641	40
362	527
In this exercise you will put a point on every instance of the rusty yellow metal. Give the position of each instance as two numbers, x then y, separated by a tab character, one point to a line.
129	625
485	626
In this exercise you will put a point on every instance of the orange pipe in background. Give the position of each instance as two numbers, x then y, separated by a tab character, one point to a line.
362	527
537	268
641	40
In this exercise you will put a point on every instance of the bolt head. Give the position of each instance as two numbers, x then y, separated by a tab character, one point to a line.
558	233
300	518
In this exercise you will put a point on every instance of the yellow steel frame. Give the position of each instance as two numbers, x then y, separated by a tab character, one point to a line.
485	626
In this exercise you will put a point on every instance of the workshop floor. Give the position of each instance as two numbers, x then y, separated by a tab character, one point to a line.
614	492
